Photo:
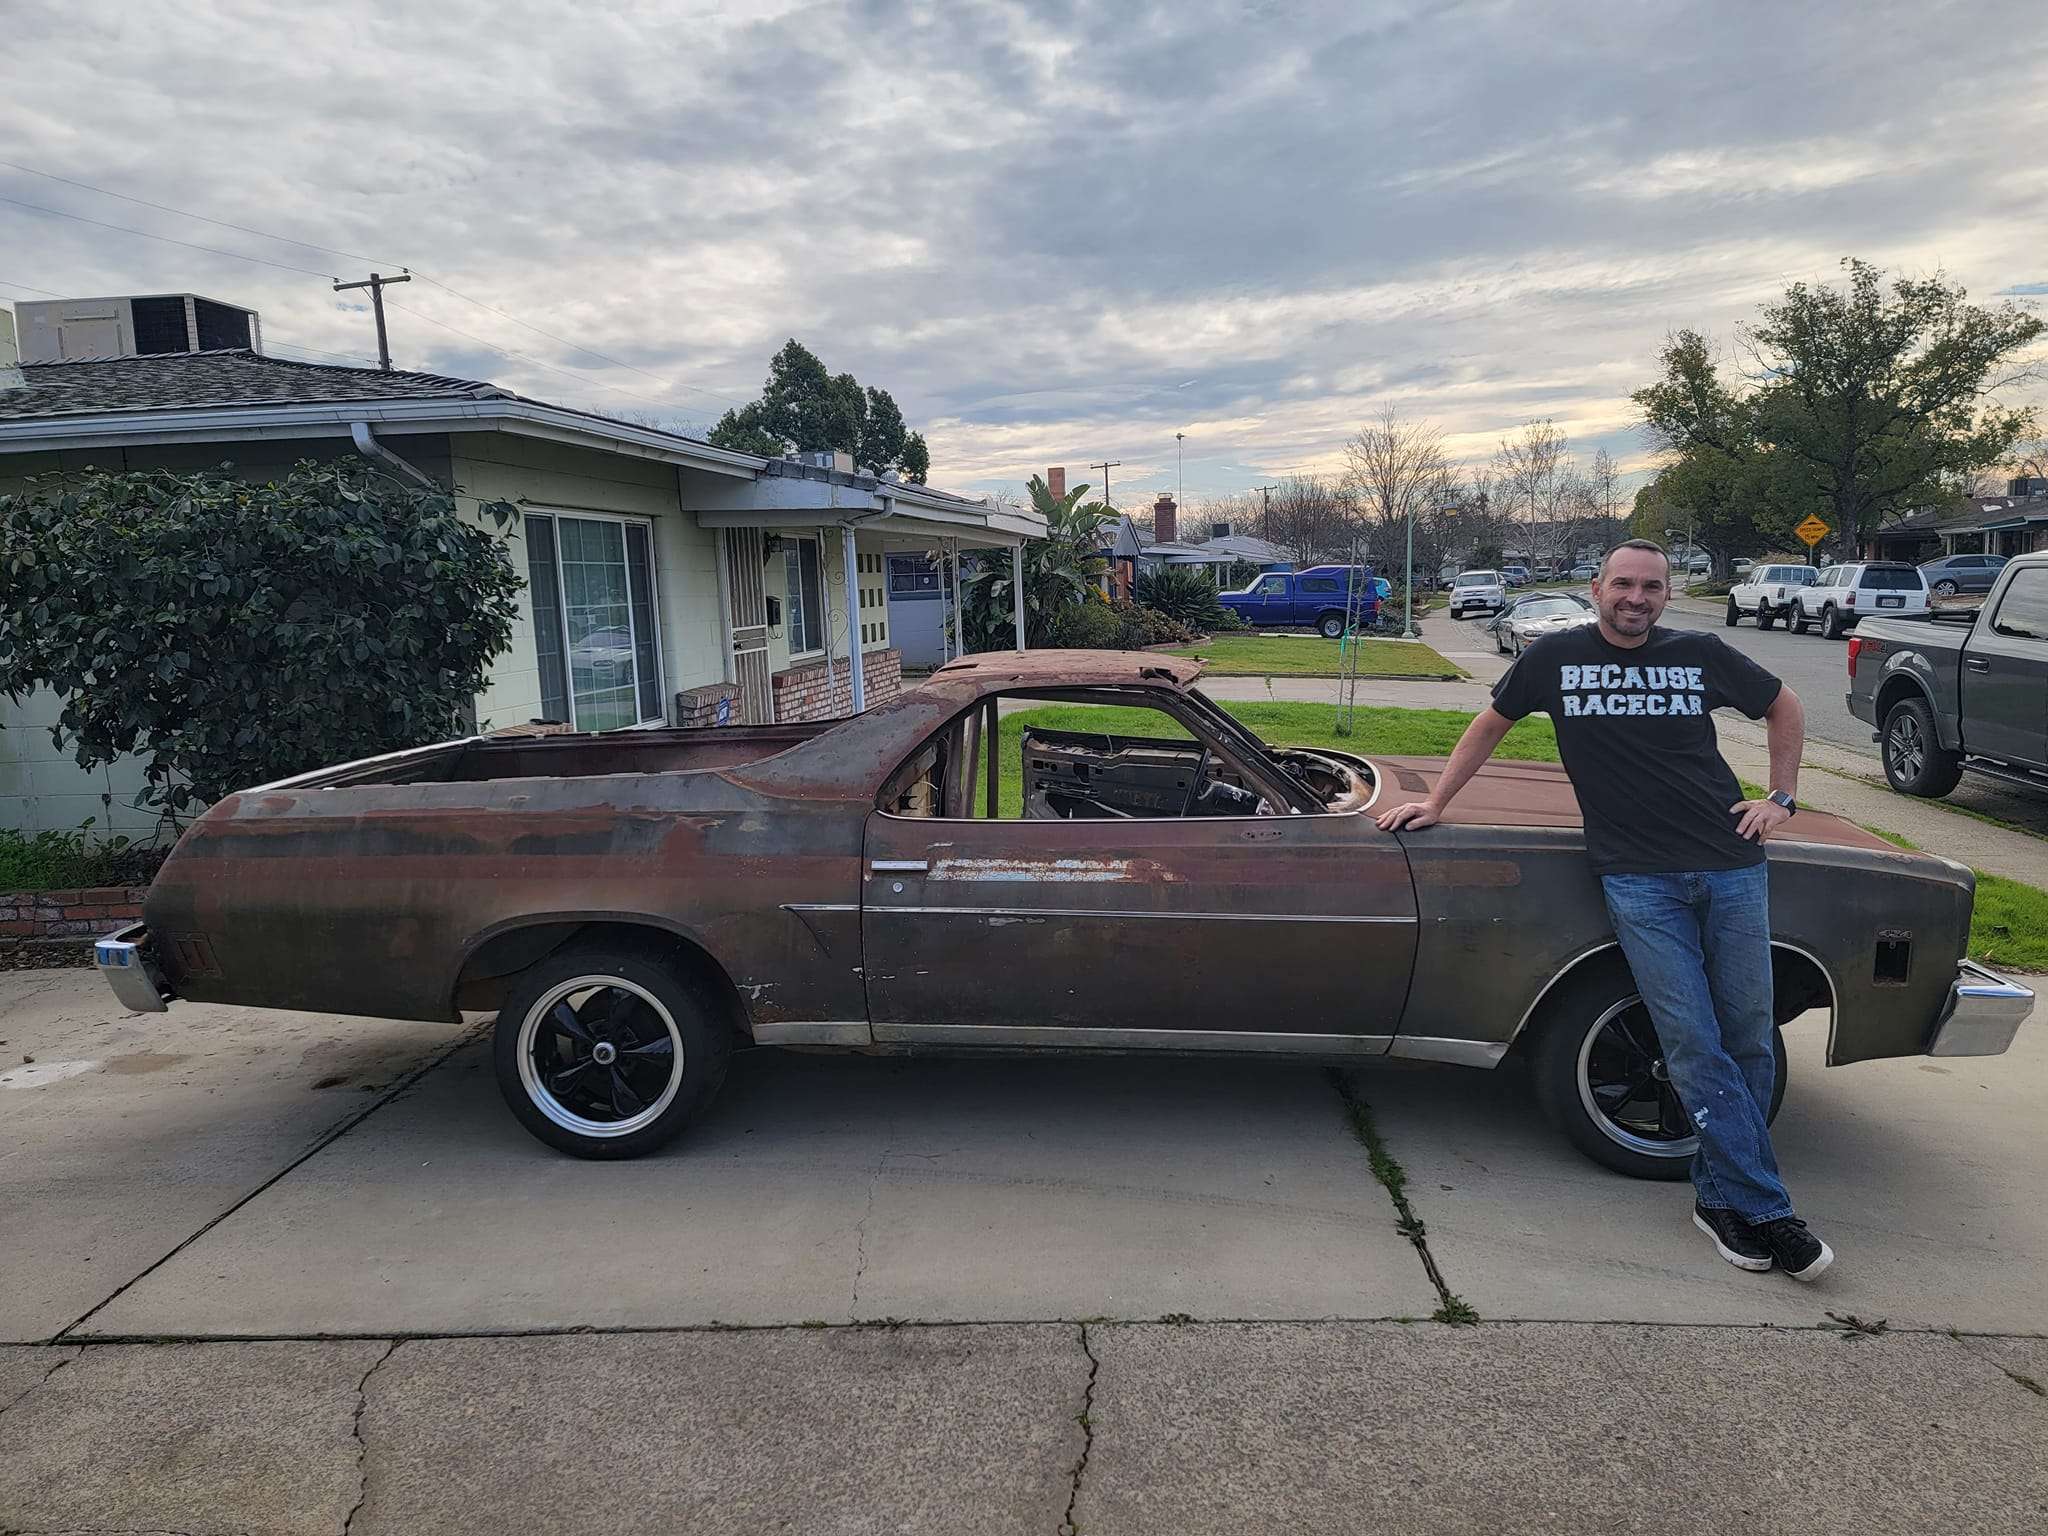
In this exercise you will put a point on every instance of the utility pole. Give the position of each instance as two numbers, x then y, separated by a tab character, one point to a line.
377	282
1179	495
1266	510
1106	466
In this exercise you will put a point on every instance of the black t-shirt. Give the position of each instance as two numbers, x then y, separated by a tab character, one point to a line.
1635	729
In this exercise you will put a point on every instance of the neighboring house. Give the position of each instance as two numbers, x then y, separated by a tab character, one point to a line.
669	581
1997	525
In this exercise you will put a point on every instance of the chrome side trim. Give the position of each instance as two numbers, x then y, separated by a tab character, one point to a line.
1249	1041
821	906
884	909
1834	993
815	1032
1463	1053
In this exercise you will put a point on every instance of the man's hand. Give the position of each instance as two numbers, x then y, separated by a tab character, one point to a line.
1760	818
1415	815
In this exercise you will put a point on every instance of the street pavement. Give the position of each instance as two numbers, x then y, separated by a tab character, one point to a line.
931	1295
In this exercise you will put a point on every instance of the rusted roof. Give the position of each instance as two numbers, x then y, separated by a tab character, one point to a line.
1077	669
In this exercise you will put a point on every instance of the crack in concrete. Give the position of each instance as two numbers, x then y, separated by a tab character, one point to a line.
1086	1419
35	1386
362	1445
860	1235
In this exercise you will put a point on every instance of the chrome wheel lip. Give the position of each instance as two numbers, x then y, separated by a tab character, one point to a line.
1681	1149
553	1108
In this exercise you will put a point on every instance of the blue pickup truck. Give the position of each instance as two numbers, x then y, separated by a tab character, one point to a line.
1319	597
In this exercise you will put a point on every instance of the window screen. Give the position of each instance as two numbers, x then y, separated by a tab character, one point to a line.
219	326
640	580
806	621
547	618
159	326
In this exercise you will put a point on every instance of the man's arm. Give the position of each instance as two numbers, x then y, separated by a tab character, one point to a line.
1785	735
1473	748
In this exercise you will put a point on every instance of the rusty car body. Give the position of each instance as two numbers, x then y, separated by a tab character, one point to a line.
632	904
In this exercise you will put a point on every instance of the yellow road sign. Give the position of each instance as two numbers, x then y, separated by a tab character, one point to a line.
1813	530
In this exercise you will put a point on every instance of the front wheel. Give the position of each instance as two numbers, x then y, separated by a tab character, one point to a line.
1799	621
1733	616
1830	623
1331	625
1599	1077
1915	762
604	1052
1764	616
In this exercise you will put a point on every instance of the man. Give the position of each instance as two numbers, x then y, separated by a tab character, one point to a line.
1680	859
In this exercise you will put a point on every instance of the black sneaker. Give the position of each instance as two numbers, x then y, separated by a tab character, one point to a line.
1732	1238
1797	1251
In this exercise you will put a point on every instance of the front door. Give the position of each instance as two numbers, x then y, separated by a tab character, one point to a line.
2005	675
1225	932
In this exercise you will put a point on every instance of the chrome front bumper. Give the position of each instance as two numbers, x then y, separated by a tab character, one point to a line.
1983	1013
123	958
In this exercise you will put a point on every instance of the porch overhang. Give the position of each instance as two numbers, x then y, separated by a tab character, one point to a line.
901	519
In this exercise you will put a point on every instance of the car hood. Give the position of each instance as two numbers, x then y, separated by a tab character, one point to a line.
1510	794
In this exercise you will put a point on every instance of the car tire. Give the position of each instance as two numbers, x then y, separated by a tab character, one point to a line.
1797	619
651	1057
1585	1040
1734	615
1915	762
1500	642
1764	617
1331	626
1946	588
1830	623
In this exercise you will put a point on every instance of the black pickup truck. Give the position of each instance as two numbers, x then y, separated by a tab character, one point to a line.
1960	692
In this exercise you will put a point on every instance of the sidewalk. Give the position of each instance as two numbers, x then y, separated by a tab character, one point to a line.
1121	1428
1834	779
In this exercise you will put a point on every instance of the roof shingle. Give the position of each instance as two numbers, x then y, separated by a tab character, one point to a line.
185	380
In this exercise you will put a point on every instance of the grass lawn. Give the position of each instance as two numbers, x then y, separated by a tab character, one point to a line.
1313	656
1380	731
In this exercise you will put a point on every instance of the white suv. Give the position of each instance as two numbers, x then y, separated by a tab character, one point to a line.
1474	590
1845	593
1767	593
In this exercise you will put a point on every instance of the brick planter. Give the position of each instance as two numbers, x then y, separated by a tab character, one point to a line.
809	692
69	914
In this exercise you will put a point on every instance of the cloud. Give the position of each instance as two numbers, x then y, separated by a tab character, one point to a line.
1036	222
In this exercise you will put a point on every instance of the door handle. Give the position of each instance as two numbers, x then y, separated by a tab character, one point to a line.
1977	663
898	866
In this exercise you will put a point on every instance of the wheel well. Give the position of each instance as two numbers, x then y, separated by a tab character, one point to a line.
1797	983
490	968
1894	688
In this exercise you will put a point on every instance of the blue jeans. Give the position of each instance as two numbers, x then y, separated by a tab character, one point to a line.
1700	946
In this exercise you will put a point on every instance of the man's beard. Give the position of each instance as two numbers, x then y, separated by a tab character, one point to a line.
1627	622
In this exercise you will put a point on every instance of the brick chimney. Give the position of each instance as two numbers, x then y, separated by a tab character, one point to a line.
1056	481
1165	519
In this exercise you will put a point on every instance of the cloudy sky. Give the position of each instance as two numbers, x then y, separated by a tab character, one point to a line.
1057	232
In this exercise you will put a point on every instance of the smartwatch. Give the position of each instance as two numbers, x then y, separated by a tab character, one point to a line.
1779	797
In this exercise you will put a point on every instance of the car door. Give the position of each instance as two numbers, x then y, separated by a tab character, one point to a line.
2005	674
1264	933
1269	602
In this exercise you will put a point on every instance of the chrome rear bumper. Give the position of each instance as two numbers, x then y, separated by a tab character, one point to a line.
123	957
1983	1013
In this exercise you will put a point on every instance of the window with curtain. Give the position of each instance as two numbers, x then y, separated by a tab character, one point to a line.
591	583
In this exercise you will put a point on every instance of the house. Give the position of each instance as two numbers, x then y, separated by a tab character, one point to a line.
669	582
1222	550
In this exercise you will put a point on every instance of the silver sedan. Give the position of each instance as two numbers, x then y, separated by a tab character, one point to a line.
1537	615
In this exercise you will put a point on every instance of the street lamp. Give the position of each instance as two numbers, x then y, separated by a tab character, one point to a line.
1178	438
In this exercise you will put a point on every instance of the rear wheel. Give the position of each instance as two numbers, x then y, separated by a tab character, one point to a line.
1734	615
1915	762
605	1052
1830	623
1599	1076
1331	625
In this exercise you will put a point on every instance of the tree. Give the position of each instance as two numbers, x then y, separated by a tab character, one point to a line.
1310	519
1060	570
1396	473
805	409
236	633
1603	490
1535	474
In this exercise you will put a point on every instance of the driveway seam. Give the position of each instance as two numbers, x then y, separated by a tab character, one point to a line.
1451	1307
320	1144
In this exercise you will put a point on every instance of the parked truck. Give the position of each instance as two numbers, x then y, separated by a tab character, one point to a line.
1956	693
1323	597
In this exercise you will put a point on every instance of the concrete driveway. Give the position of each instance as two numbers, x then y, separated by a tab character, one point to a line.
352	1194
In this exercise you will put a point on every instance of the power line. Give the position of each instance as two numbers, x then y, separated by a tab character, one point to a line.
309	245
8	282
293	346
490	346
123	229
186	213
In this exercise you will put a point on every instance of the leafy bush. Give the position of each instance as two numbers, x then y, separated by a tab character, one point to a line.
1183	593
1060	572
235	633
1092	626
1143	626
46	861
